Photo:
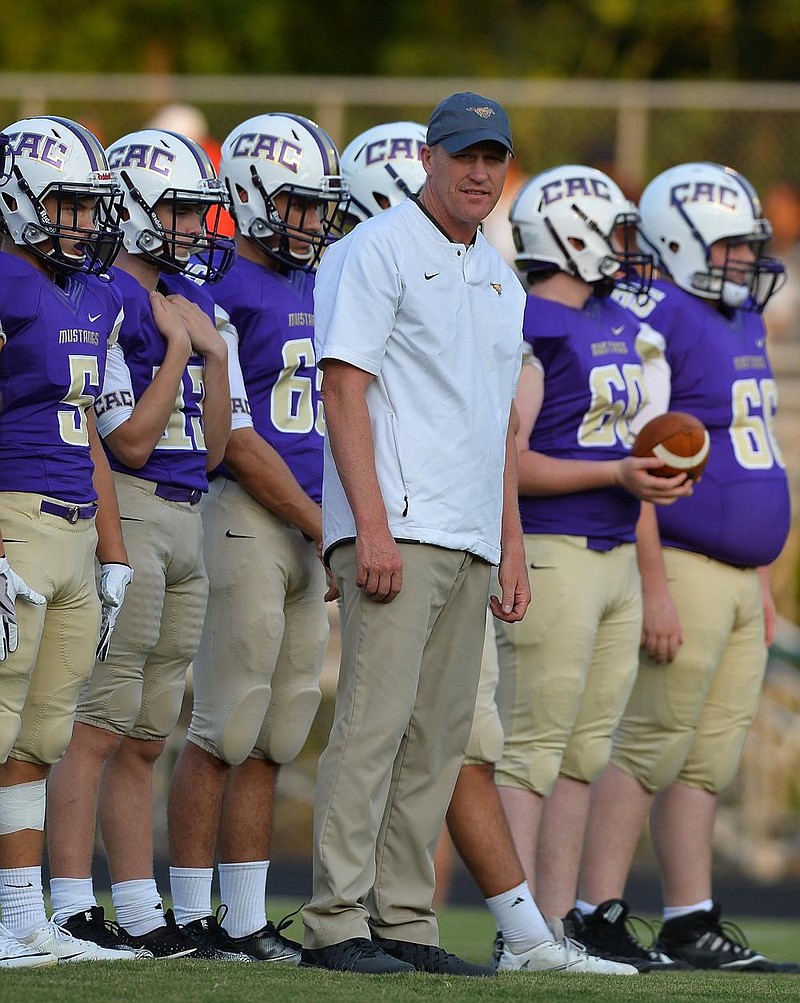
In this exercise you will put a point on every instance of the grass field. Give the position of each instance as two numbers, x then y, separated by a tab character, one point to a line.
466	931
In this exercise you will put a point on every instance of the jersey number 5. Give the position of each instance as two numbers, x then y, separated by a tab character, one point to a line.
83	375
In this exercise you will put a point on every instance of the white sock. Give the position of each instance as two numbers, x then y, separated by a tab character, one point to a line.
191	892
69	896
518	919
138	906
22	899
243	889
674	911
584	908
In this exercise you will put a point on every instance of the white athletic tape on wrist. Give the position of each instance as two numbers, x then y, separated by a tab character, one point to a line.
22	807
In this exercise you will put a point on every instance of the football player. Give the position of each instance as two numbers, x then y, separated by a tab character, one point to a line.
571	666
57	319
164	415
256	677
702	663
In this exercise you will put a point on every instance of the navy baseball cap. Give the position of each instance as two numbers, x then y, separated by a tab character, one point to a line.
466	118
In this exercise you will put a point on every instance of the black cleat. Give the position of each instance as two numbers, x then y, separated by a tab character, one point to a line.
212	942
267	944
700	940
429	958
170	941
608	933
92	925
356	955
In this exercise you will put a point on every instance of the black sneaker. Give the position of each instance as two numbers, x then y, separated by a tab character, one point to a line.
92	925
170	941
269	944
356	955
702	941
212	942
607	933
429	958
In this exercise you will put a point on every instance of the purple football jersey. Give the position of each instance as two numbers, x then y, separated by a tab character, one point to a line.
739	512
593	386
51	371
179	458
274	315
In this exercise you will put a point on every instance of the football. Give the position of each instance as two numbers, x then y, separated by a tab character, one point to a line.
680	440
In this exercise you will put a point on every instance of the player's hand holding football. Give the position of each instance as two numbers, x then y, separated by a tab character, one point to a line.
12	587
114	582
633	475
205	338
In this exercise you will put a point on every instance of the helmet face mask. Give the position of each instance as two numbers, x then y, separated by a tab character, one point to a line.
286	192
61	202
170	190
6	159
382	167
695	218
575	219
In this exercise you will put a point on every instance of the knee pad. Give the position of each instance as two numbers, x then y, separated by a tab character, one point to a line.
286	735
22	807
585	761
485	743
658	763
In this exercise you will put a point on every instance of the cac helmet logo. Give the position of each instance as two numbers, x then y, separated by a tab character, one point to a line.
708	192
258	146
142	155
35	146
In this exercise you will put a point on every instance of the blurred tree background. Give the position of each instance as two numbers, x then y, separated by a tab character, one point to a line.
611	39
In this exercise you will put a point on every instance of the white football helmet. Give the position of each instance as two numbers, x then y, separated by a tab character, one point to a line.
382	167
56	158
575	219
278	154
686	209
156	167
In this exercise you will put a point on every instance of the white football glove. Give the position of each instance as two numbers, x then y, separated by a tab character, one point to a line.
12	587
114	581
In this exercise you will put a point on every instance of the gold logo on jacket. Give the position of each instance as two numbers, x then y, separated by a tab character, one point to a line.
498	288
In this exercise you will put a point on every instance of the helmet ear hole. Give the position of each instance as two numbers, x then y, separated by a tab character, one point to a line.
10	202
243	194
675	247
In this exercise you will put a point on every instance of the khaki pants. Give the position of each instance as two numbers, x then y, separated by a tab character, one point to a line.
256	675
688	720
574	662
138	690
40	681
404	706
